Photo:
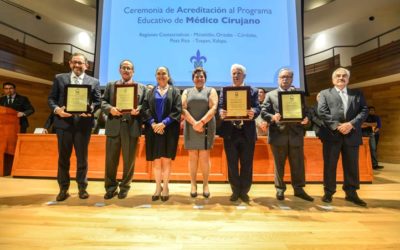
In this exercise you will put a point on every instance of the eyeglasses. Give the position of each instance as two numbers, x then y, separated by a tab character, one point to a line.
77	62
126	68
286	77
8	88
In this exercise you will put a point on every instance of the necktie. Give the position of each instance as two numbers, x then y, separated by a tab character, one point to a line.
9	100
76	80
344	98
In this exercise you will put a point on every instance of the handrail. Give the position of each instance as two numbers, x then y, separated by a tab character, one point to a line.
353	46
44	41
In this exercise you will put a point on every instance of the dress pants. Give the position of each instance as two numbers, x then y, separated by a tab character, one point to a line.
114	145
350	154
373	148
68	139
239	149
296	162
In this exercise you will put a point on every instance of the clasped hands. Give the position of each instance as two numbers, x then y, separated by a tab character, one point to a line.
345	128
158	128
198	126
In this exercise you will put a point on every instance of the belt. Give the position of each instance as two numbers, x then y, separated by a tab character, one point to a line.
124	120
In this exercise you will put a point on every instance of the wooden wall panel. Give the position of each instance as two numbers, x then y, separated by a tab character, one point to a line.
37	94
386	100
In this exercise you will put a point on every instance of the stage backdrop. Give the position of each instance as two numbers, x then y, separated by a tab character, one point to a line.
180	34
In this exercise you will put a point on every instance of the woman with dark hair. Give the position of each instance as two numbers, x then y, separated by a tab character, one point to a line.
199	107
162	108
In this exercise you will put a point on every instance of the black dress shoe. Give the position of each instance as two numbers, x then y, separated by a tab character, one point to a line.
303	195
356	200
377	167
280	195
155	197
234	197
206	195
110	194
164	197
62	195
193	195
122	194
245	198
327	198
83	194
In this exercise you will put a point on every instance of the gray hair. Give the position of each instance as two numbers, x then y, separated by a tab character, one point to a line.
238	66
336	70
286	69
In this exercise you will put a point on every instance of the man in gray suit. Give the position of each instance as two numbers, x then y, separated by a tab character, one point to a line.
286	140
73	130
343	111
123	130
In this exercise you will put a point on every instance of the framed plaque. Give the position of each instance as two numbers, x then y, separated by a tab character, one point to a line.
291	106
125	96
77	98
236	102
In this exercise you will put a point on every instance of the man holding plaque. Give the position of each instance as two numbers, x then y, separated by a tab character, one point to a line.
286	138
343	111
238	106
122	102
74	97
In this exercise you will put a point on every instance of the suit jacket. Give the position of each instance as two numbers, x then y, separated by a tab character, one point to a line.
249	126
281	133
20	104
113	123
331	111
57	99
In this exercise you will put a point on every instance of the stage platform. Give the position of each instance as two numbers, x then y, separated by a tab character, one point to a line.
36	156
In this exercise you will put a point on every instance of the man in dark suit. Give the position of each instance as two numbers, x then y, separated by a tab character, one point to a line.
73	130
343	111
17	102
239	140
123	131
286	140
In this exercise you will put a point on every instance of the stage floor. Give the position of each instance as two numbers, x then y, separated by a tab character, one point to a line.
29	219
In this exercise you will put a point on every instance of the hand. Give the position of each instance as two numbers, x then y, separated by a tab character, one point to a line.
276	117
250	114
263	126
305	121
45	131
115	112
85	115
62	113
198	126
20	114
135	111
222	113
345	128
158	128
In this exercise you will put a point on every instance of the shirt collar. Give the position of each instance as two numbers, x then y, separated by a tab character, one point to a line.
130	81
289	89
79	77
241	85
344	90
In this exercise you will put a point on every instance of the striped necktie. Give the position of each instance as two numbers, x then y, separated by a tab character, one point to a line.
344	98
76	80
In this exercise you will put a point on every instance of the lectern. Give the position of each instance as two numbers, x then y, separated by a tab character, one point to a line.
9	128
